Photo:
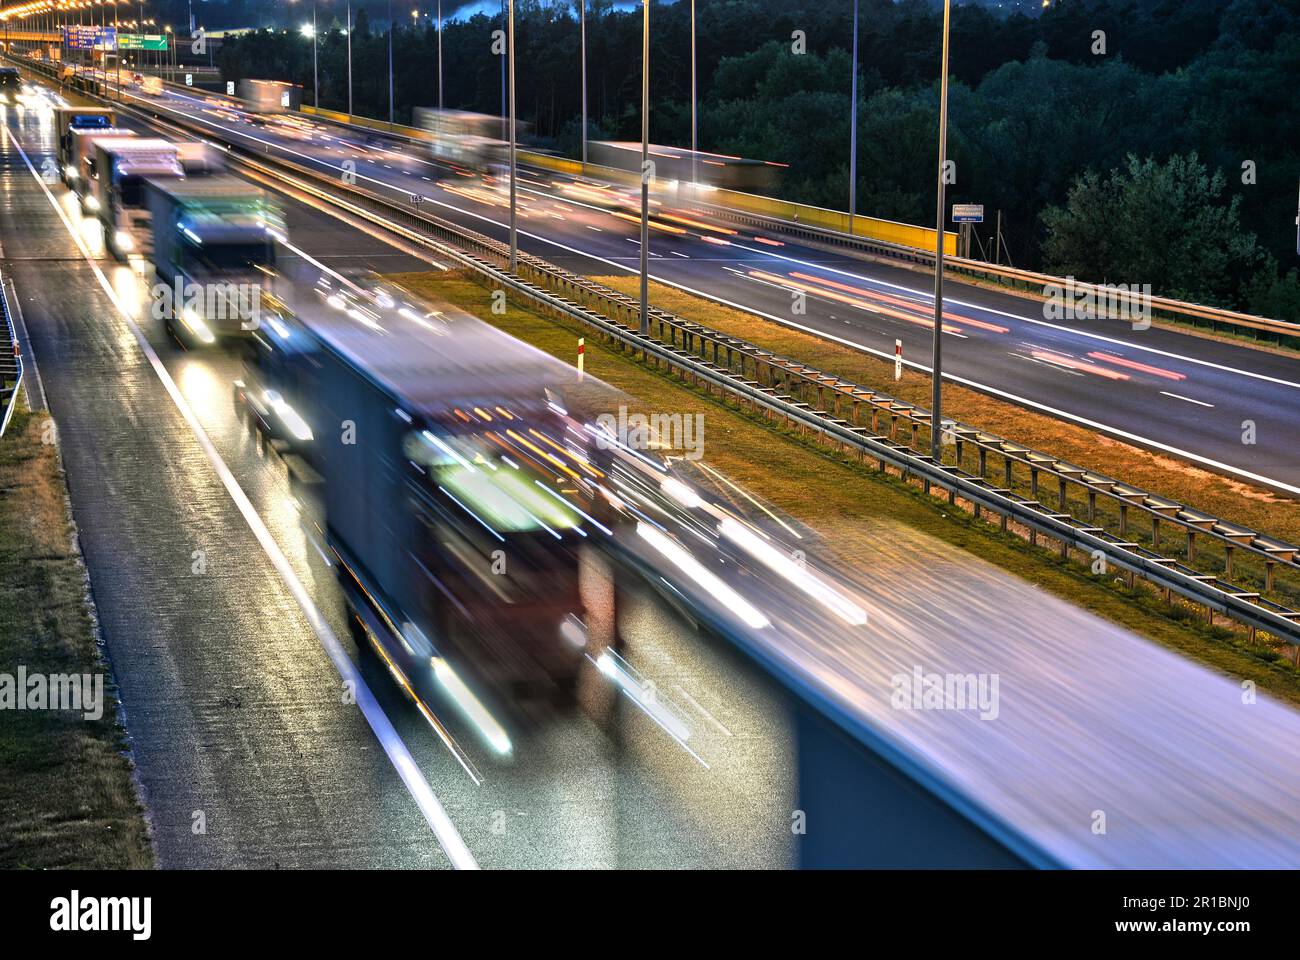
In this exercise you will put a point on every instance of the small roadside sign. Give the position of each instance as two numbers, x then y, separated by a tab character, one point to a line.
189	79
968	213
230	88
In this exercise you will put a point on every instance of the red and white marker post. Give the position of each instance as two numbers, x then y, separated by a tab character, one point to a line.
898	360
582	351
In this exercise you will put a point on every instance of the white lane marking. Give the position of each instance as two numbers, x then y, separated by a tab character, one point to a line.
923	297
682	255
434	814
1034	320
1024	401
1179	396
696	704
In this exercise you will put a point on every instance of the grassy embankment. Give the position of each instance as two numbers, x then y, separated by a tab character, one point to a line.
853	505
67	798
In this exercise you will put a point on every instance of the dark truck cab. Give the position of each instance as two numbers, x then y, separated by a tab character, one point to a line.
450	499
11	85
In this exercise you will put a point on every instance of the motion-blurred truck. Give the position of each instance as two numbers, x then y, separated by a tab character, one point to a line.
81	172
11	84
447	484
121	168
270	96
214	247
80	119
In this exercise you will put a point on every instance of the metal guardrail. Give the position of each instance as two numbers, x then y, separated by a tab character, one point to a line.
815	401
11	362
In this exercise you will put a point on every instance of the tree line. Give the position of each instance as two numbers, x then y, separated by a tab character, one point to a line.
1168	127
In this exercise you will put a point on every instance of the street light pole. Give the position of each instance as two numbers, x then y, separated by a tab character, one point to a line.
936	403
315	71
117	52
694	102
645	170
349	33
514	212
440	56
582	19
853	125
390	64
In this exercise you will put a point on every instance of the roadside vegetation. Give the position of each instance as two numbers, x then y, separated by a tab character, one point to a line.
67	797
851	504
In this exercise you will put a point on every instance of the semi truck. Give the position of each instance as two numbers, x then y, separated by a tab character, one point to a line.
69	119
214	247
11	84
122	165
450	491
270	96
79	171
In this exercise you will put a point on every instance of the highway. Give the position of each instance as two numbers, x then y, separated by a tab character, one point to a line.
1158	388
235	709
232	706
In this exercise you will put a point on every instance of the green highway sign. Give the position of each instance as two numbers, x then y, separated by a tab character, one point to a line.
141	41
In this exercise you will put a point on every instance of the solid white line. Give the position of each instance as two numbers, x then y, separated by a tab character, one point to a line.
434	814
1179	396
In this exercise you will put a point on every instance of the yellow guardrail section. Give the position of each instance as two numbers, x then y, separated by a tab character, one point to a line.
870	228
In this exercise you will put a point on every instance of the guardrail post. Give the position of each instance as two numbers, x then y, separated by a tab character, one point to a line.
1155	532
1123	518
1092	507
1268	577
1227	561
1191	545
1060	495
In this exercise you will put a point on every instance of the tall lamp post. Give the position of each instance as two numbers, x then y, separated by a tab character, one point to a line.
390	64
936	403
514	213
348	32
315	71
582	26
695	146
853	125
645	169
439	56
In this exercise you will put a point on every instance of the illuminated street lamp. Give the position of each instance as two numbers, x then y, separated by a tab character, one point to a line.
514	213
936	373
645	170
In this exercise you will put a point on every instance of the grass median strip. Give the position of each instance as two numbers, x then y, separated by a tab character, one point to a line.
853	504
67	797
1247	504
1238	502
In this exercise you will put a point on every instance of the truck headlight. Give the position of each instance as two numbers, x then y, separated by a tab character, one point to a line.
123	240
92	203
196	324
